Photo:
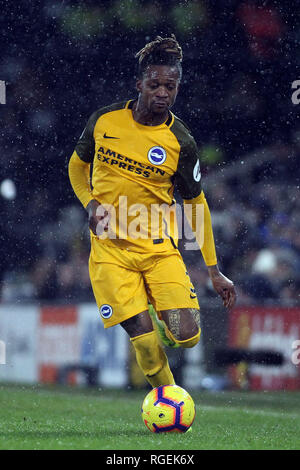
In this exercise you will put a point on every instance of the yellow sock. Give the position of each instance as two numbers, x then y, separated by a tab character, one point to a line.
152	359
186	343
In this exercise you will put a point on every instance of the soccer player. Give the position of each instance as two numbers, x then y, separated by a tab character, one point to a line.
139	151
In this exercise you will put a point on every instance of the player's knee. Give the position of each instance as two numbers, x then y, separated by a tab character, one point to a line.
190	342
184	326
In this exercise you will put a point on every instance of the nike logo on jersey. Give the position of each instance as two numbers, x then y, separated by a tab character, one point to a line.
109	137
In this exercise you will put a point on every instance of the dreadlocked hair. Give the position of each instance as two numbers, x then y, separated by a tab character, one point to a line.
161	51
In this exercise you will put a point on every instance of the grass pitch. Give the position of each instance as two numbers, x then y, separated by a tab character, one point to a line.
37	417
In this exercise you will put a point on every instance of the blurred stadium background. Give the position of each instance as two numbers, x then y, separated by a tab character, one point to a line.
61	60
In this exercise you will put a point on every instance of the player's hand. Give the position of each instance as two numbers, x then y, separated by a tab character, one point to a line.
98	217
223	286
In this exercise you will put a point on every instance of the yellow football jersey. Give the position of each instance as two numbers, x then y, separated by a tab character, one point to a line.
134	171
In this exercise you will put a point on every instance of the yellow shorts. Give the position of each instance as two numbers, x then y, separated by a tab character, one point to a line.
123	281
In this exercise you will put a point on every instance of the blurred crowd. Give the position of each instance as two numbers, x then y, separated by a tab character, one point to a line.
256	220
240	59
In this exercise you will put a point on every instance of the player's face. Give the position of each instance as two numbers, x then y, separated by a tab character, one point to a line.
158	88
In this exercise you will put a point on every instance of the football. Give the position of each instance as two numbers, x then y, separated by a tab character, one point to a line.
168	408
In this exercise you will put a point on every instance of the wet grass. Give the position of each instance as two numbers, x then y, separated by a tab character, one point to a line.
72	418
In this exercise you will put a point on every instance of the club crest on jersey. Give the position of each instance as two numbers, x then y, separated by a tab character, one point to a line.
106	311
157	155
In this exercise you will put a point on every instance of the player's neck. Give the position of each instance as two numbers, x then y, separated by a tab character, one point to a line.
143	116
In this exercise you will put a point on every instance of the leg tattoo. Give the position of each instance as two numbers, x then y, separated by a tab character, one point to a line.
174	322
182	323
196	314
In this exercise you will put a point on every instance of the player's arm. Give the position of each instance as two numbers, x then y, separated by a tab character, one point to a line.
79	174
205	238
188	182
188	179
200	222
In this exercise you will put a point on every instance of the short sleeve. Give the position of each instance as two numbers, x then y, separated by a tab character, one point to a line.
188	173
85	147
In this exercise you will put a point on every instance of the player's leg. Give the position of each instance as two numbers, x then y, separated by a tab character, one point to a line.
173	297
138	325
183	325
161	329
150	355
120	293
